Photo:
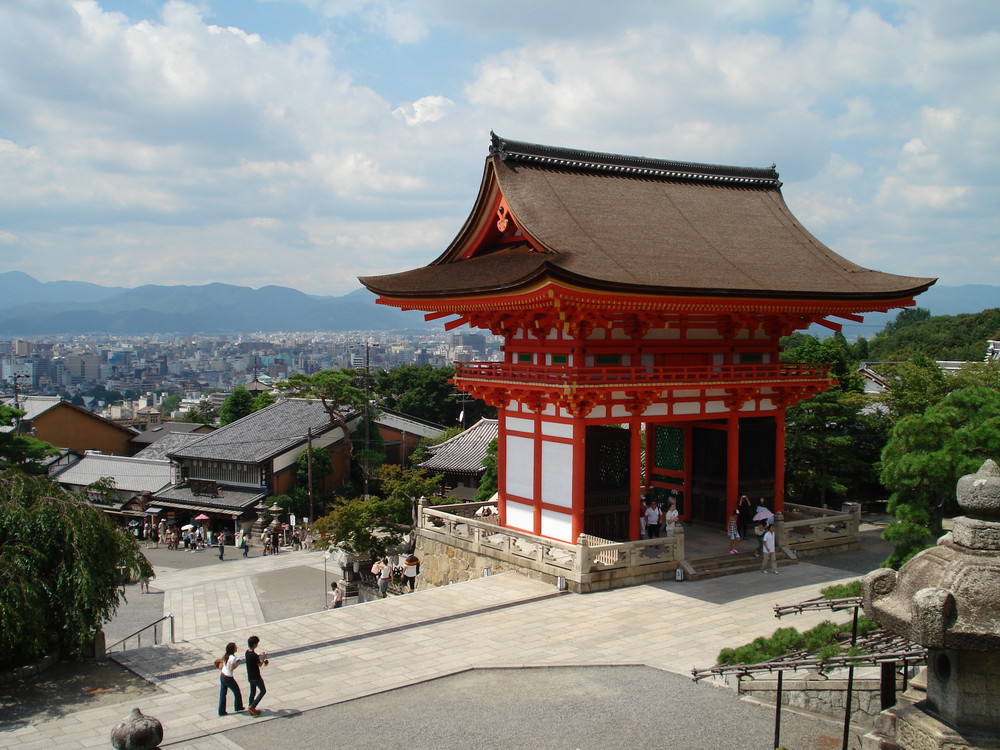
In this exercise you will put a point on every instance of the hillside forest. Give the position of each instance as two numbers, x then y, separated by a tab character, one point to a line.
908	446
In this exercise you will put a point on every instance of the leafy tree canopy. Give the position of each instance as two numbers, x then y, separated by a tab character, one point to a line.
488	482
170	404
833	350
262	399
60	567
203	413
236	406
335	389
21	451
368	528
924	458
424	391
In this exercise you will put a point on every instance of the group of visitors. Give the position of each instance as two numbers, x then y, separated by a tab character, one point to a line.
653	519
227	677
384	572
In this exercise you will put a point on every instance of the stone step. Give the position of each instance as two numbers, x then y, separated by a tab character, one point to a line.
725	565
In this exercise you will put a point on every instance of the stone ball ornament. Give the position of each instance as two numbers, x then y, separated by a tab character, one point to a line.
137	732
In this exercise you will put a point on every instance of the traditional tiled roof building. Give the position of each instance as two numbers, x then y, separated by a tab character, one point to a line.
636	293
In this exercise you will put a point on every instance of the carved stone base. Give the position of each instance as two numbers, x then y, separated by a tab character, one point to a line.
912	728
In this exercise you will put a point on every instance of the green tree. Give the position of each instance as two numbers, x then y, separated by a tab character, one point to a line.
21	451
336	390
62	563
170	404
236	406
262	400
913	385
369	527
924	458
322	466
488	482
203	413
960	338
426	392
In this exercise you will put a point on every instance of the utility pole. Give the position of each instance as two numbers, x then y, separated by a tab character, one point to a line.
364	460
309	469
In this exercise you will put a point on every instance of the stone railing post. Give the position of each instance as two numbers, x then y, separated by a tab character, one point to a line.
581	559
779	531
854	527
678	543
421	507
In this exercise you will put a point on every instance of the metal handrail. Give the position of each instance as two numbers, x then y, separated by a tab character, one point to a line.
138	634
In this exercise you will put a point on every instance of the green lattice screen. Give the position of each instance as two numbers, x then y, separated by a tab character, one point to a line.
669	448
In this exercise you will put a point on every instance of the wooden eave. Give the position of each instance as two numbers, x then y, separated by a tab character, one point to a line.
663	235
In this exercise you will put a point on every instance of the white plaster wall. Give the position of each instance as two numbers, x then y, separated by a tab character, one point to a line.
519	425
557	429
557	474
557	525
520	466
520	516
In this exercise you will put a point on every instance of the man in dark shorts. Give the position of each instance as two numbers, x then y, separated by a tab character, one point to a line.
254	662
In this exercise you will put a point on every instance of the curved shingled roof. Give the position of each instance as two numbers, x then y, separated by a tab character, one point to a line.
636	225
464	453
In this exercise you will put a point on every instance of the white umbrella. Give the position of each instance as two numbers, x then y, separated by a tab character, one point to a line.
187	527
763	514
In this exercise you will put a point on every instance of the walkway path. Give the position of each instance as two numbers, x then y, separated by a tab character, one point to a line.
503	621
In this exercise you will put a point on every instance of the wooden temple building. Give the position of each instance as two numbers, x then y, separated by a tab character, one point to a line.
639	300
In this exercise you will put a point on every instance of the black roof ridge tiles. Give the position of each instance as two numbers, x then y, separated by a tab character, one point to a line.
632	166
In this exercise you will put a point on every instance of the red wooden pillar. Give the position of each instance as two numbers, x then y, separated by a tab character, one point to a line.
579	475
732	463
537	477
688	470
502	465
635	491
779	460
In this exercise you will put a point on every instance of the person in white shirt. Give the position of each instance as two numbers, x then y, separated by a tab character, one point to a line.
653	516
670	518
227	681
767	546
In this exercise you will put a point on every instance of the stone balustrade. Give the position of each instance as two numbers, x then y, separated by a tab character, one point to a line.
806	529
456	545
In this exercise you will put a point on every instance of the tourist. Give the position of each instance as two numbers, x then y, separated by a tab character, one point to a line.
246	544
653	516
733	532
759	528
384	573
254	662
411	568
227	680
670	517
336	596
767	545
745	509
222	545
642	518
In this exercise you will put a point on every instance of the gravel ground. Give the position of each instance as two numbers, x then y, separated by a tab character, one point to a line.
571	708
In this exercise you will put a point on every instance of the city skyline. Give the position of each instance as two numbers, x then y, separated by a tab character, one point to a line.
304	143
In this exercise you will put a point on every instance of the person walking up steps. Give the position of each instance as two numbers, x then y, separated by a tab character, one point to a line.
254	662
227	680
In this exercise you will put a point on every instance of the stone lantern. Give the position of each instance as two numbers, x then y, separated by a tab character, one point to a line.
947	599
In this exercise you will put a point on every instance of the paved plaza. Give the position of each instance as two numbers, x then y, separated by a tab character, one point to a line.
329	659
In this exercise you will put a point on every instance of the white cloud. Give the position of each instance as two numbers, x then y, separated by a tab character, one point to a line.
168	144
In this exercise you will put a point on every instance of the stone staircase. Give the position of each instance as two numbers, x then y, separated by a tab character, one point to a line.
713	566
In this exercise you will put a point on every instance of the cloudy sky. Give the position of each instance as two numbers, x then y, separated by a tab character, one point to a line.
307	142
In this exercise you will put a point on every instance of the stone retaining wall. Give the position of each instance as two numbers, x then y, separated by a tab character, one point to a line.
821	696
441	564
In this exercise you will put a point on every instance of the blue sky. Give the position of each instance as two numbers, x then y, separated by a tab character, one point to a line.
307	142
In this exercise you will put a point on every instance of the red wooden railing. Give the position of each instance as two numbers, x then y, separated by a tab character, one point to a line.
558	375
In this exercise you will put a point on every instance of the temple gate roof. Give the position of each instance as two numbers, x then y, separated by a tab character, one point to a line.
632	225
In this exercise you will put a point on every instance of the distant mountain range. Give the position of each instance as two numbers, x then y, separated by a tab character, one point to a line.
31	307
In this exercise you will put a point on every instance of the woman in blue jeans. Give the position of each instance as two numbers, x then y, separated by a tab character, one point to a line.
227	664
